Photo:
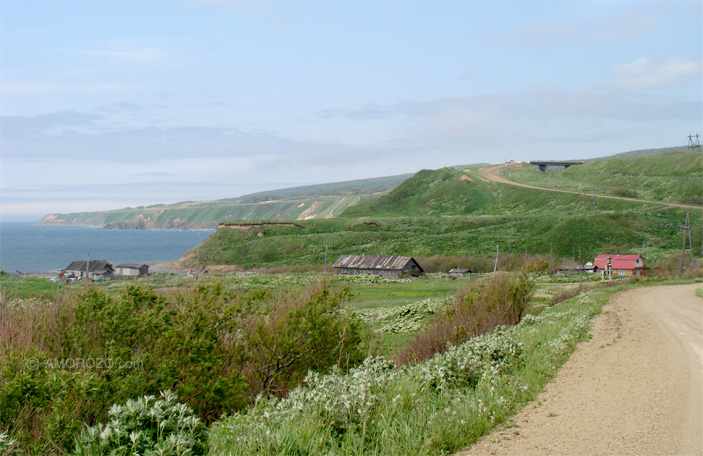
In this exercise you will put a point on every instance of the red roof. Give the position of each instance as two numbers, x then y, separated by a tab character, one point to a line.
620	262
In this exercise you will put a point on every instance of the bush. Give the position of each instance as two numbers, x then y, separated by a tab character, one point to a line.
148	426
63	364
624	192
478	309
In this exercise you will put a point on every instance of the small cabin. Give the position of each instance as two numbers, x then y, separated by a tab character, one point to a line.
391	266
132	270
459	272
95	269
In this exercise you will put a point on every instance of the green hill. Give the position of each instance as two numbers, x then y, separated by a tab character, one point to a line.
675	177
455	213
307	202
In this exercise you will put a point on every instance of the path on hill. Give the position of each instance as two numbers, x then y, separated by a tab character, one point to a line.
635	388
494	174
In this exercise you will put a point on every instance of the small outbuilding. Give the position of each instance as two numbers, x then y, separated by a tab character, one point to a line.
94	269
391	266
621	264
459	272
132	270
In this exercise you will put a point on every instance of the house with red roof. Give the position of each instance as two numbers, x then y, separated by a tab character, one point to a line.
620	264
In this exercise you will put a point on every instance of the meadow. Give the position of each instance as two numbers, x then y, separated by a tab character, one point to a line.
241	353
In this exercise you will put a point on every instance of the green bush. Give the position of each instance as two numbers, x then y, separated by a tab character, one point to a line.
477	309
63	364
147	426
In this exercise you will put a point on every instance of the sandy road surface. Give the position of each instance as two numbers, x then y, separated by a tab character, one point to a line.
634	389
494	174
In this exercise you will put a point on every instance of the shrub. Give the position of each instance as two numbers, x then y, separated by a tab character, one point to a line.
624	192
63	363
148	426
477	309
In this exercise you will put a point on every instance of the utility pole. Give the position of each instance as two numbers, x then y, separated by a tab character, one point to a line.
686	230
594	201
325	270
580	269
584	201
87	265
495	266
197	265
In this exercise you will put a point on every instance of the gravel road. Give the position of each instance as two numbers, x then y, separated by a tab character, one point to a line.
635	388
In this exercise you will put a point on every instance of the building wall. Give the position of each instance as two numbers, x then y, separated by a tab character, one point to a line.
388	273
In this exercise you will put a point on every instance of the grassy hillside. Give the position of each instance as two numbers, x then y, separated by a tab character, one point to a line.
675	177
204	215
454	213
313	201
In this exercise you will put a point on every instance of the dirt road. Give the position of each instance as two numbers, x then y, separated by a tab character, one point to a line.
494	174
634	389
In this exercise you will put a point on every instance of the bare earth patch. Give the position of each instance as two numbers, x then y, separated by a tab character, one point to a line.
634	389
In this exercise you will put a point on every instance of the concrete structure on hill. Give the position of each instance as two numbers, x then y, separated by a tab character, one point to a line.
132	270
556	165
620	265
391	266
94	269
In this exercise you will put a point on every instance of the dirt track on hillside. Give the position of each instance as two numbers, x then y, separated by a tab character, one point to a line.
635	388
494	174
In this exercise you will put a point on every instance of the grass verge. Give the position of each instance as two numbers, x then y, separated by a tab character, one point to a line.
437	406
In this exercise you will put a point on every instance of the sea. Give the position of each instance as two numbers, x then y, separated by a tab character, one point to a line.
28	248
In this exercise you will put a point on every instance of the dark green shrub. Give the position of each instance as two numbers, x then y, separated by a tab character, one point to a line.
62	364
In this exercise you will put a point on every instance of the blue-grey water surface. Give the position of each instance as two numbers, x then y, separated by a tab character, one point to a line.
29	248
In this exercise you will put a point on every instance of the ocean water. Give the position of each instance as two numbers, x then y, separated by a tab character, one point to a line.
29	248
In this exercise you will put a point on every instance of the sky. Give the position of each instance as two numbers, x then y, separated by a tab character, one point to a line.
111	104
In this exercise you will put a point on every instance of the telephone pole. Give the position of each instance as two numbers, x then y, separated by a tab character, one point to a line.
686	231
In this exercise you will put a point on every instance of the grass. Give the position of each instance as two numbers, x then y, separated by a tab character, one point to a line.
436	407
675	177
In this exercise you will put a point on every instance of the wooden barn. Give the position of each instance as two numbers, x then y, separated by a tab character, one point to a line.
460	272
132	270
391	266
621	264
95	269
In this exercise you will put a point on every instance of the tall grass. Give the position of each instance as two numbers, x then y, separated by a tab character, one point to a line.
435	407
477	309
63	363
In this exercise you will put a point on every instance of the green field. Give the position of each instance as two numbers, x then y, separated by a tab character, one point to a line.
674	177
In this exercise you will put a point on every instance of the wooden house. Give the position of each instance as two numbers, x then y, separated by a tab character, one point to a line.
132	270
620	265
94	269
459	272
391	266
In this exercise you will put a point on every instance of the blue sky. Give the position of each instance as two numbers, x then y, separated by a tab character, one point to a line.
108	104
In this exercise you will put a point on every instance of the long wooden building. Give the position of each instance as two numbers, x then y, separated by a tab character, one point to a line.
391	266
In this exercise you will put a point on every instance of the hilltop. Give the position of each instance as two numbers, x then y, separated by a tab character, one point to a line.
296	203
459	213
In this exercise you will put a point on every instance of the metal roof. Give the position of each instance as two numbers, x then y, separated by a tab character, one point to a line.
389	262
619	261
95	266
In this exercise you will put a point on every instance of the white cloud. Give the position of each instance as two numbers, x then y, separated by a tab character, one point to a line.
643	74
131	51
